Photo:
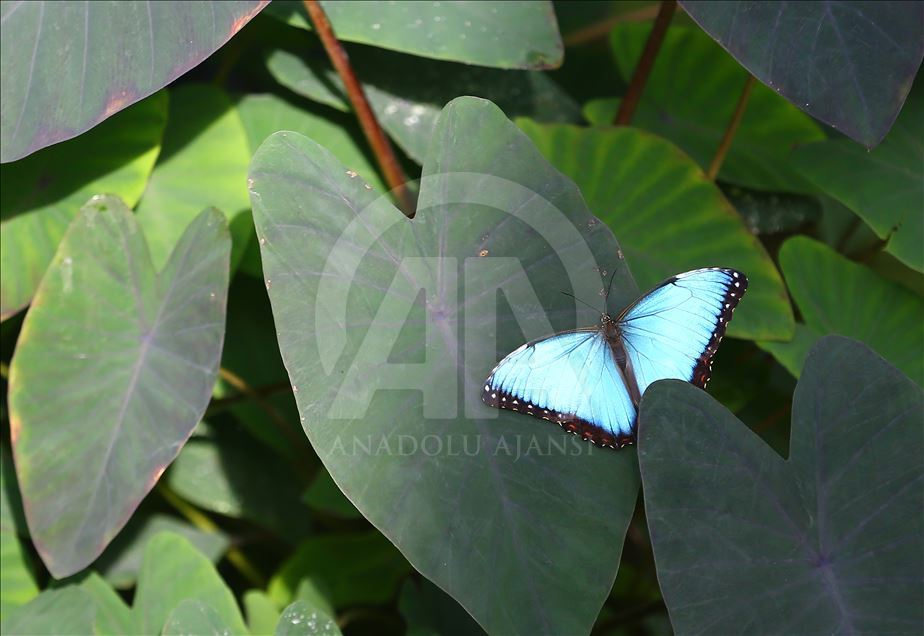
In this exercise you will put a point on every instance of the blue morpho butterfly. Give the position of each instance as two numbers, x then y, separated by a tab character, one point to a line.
590	381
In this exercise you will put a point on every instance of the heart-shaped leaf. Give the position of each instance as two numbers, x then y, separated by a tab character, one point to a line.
669	217
828	541
202	163
50	610
690	97
848	64
41	194
471	32
172	572
407	93
837	296
883	186
67	66
262	614
114	367
471	495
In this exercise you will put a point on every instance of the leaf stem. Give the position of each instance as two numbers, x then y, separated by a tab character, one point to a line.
730	131
381	147
643	68
4	371
600	29
234	555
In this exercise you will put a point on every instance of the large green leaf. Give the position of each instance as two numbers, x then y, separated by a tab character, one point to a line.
407	93
518	34
690	96
837	296
883	186
113	616
67	66
849	64
41	194
203	163
668	216
173	571
220	469
121	560
351	568
476	522
828	541
113	368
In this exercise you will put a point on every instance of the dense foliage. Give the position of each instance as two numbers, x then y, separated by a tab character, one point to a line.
242	387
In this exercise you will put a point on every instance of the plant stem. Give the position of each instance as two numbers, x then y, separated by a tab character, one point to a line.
643	69
237	558
381	147
4	371
729	135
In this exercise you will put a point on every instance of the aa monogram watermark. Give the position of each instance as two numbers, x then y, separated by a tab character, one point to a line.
410	316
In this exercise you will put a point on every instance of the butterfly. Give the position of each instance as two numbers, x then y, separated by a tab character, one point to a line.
590	381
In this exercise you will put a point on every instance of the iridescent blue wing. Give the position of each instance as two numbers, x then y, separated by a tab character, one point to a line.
674	330
569	378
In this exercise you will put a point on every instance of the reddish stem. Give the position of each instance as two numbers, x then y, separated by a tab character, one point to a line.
381	147
729	135
643	69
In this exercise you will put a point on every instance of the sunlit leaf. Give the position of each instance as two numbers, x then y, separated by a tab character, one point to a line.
41	194
113	368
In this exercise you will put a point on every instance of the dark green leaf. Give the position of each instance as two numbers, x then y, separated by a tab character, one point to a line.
828	541
474	521
883	186
429	611
174	571
690	97
67	66
113	368
302	619
351	568
408	93
506	35
41	194
849	64
17	582
838	296
203	163
639	184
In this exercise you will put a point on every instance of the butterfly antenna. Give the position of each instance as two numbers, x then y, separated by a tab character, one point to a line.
570	295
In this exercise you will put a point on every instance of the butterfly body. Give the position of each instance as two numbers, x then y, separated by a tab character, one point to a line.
591	381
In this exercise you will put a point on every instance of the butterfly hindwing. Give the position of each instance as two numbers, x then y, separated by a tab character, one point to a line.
674	330
570	378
